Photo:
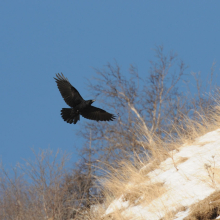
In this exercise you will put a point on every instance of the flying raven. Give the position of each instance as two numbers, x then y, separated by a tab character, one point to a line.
78	105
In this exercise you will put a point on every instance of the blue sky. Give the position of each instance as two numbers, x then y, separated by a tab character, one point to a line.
44	37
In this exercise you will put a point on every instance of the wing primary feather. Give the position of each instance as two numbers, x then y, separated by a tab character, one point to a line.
94	113
70	95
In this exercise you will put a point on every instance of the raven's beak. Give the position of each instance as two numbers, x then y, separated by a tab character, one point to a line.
93	100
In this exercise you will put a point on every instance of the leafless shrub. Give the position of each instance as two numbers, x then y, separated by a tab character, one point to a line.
153	105
42	189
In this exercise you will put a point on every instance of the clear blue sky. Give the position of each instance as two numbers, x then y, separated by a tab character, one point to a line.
43	37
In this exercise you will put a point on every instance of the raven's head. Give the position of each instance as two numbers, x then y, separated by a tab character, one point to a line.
91	101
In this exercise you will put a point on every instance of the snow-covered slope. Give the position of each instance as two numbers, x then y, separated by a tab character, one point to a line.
191	174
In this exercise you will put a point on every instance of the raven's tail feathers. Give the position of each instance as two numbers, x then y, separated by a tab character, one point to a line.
68	115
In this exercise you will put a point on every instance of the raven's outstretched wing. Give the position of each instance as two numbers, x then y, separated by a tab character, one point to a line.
70	95
97	114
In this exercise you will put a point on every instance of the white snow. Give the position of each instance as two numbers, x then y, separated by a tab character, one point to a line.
186	182
182	215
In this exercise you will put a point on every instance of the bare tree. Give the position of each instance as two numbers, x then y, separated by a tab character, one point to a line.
153	104
43	189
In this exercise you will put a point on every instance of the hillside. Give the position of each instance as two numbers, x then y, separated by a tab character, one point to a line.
178	180
184	186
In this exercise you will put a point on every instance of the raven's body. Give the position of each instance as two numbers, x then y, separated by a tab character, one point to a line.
78	105
72	115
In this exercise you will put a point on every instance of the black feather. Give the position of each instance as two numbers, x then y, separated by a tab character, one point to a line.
78	105
70	95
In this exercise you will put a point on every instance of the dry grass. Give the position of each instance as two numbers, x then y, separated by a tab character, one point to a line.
35	192
207	209
130	179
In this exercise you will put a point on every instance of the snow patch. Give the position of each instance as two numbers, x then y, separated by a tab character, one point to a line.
186	182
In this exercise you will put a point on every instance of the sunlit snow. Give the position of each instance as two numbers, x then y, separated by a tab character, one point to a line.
186	176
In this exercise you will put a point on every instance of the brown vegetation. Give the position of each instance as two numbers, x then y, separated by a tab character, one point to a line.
154	118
